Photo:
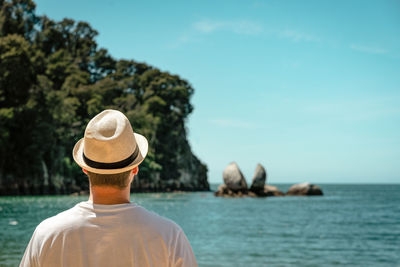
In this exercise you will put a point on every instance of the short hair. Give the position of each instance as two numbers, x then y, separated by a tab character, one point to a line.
119	180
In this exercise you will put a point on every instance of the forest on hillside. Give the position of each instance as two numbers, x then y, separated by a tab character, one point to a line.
54	78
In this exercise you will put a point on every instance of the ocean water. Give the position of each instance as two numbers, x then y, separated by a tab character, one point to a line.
351	225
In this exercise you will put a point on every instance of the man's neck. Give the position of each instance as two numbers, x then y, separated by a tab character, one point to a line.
108	195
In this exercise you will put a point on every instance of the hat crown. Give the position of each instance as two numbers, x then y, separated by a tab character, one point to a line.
107	127
109	137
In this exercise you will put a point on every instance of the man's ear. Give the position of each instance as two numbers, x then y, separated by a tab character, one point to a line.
85	171
135	170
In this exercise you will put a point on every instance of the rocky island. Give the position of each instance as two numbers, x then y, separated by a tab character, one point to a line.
304	189
235	185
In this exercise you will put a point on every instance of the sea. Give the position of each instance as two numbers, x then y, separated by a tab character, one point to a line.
350	225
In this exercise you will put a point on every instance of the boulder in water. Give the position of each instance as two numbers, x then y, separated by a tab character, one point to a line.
259	179
224	191
269	191
272	191
304	189
234	179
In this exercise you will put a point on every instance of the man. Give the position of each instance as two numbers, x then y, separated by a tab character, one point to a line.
109	230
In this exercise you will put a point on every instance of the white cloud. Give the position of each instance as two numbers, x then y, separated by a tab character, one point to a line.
238	26
368	49
203	27
297	36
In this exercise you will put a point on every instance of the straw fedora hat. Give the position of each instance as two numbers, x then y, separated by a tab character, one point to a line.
109	145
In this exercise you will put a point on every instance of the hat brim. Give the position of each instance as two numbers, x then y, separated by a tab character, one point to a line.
141	141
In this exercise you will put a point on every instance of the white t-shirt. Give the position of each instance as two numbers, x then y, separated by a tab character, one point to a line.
108	235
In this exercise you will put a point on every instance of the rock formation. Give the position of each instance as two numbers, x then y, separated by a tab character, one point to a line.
304	189
267	191
234	179
259	179
224	191
235	184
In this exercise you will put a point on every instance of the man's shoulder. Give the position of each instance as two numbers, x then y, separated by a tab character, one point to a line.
152	219
62	221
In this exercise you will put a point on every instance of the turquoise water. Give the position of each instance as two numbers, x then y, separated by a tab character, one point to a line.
351	225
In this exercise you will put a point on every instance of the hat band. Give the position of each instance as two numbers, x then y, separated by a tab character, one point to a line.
112	165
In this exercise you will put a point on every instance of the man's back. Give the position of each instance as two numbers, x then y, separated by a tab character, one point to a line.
108	235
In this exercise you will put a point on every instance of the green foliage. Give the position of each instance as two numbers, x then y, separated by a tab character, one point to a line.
16	70
17	17
54	79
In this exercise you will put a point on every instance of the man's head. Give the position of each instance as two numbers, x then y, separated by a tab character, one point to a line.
110	151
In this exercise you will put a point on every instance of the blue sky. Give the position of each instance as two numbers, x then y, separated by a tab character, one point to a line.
309	89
